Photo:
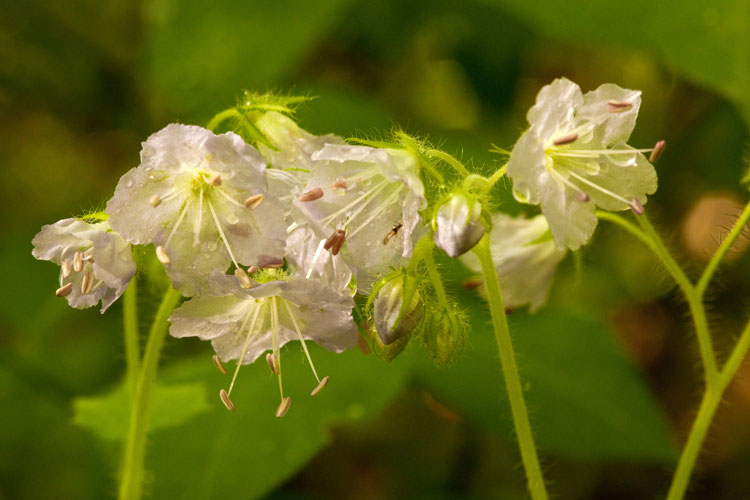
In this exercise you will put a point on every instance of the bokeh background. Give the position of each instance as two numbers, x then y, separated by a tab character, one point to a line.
610	366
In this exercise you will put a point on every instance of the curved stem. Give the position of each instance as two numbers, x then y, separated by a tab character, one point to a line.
132	338
499	173
661	251
450	160
437	282
529	456
220	117
131	482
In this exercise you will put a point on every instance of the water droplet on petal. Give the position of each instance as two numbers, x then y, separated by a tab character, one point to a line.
232	219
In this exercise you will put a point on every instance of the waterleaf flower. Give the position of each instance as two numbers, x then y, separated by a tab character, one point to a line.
306	253
457	224
525	258
244	323
366	201
202	200
575	151
96	264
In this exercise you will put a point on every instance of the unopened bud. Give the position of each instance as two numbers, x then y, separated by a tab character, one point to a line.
444	335
458	226
393	318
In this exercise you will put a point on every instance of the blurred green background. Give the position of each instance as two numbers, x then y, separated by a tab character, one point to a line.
610	366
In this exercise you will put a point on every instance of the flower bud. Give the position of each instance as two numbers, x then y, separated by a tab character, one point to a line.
397	308
444	334
457	224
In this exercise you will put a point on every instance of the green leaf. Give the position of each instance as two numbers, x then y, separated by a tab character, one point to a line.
108	415
708	42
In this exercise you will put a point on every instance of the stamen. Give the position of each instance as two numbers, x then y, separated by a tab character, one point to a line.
87	282
272	364
221	233
177	223
636	206
155	200
243	278
363	345
304	344
334	242
247	342
314	261
583	197
312	194
618	106
321	385
658	150
283	407
276	347
198	221
64	290
161	254
599	188
269	262
225	399
339	185
565	139
383	207
66	268
372	192
215	180
78	261
253	202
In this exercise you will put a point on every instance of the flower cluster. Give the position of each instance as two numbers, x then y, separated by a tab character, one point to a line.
272	232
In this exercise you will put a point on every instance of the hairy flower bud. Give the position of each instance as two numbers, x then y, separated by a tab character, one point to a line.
397	308
457	224
444	334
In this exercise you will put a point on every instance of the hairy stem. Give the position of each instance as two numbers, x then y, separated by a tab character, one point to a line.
131	482
132	338
220	117
534	476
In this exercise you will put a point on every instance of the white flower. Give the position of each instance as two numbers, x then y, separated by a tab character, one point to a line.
457	225
575	151
306	253
244	323
367	202
525	258
95	263
202	200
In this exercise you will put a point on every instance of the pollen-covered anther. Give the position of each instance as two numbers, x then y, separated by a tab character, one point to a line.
161	254
64	290
565	139
66	268
321	385
225	399
243	278
78	261
269	262
657	151
335	241
311	195
636	206
253	201
283	407
339	185
155	200
87	283
219	365
583	197
618	106
215	180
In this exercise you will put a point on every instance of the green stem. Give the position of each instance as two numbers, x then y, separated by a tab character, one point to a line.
450	160
437	283
734	233
220	117
131	482
132	338
499	173
529	456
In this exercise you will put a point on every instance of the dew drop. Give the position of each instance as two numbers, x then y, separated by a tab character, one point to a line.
129	183
232	219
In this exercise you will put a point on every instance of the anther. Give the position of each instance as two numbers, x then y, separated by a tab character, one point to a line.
311	195
225	399
243	278
283	407
64	290
215	180
87	283
321	385
636	206
268	261
335	241
508	310
363	345
339	185
272	363
618	106
155	200
657	151
67	268
252	269
78	261
219	365
253	202
565	139
161	254
583	197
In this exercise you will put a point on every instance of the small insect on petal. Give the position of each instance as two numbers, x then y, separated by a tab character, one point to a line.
225	399
272	363
78	261
66	268
657	151
219	365
215	180
269	262
155	200
87	282
339	185
565	139
618	106
636	206
64	290
283	407
253	202
335	241
161	254
321	385
311	195
583	197
243	278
